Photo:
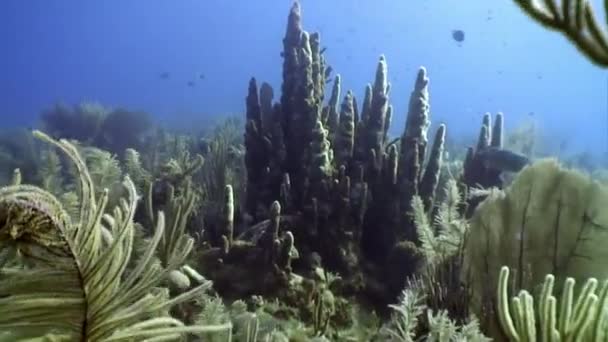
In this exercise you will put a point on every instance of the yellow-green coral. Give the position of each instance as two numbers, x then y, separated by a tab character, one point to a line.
72	284
444	236
584	318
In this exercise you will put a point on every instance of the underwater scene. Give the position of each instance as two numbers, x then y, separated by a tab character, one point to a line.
314	170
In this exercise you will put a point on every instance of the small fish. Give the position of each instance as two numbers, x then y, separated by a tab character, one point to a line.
164	75
323	50
201	76
458	35
328	71
191	84
502	160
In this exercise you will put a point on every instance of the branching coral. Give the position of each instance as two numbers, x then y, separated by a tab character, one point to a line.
72	284
576	20
584	318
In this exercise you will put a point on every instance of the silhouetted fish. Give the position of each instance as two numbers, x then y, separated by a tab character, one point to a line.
191	84
458	35
328	71
201	76
164	75
502	160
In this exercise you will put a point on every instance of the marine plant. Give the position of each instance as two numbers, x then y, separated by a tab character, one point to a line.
576	20
67	280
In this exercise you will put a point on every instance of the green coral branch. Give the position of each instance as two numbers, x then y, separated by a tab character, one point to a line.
444	236
582	319
70	281
576	20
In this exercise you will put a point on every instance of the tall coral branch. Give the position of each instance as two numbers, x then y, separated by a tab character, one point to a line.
582	319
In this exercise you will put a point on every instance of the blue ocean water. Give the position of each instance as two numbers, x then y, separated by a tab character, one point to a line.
114	52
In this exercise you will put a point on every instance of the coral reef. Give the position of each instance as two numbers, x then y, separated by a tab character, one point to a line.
304	228
81	122
91	123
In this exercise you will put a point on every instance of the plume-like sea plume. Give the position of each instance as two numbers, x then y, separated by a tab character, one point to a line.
67	280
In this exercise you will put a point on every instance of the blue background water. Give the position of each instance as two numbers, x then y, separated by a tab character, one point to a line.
113	51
